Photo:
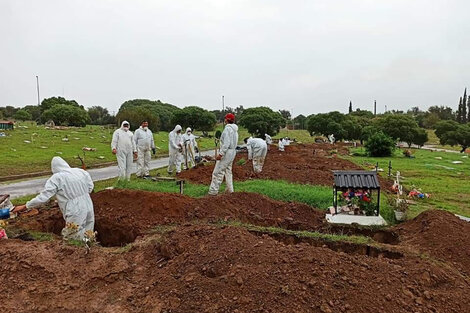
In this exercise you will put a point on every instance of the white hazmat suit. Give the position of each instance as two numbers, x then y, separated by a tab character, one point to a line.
144	143
189	145
223	167
269	140
281	144
72	187
257	150
175	147
124	144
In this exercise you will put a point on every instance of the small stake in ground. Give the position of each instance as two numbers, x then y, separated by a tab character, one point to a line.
181	184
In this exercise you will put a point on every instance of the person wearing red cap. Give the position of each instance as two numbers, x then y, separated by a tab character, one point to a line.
227	153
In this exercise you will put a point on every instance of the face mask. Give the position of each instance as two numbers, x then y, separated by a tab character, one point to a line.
125	128
145	128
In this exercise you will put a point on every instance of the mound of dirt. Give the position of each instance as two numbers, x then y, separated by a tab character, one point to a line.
305	164
122	215
440	234
211	269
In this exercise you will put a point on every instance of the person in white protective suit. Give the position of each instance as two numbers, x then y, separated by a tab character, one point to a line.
123	146
257	150
144	143
269	140
227	153
190	147
72	187
281	144
175	149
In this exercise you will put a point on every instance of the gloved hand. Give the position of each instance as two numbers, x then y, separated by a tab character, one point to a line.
154	151
196	149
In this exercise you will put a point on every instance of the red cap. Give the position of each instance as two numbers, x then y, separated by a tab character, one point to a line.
230	117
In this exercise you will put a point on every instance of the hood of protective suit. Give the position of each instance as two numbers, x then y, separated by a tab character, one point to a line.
125	122
59	165
188	129
177	128
233	126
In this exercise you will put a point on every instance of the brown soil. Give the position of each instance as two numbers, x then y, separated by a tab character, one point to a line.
122	215
440	234
300	163
228	269
309	164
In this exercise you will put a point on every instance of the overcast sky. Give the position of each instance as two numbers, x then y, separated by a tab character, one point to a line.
306	56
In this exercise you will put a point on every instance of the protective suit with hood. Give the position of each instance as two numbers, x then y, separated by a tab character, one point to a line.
123	146
281	144
223	167
269	140
257	150
189	146
72	187
144	143
175	149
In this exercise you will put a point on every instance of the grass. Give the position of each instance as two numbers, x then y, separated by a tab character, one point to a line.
315	196
302	234
448	183
40	236
21	157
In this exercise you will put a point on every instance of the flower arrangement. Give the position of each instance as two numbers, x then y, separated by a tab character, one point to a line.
359	202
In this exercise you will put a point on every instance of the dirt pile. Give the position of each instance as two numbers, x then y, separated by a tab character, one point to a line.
122	215
307	164
440	234
211	269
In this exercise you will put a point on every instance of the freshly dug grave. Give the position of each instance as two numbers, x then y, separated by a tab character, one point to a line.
440	234
211	269
121	215
305	164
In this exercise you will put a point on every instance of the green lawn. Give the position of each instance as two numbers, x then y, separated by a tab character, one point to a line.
20	156
448	183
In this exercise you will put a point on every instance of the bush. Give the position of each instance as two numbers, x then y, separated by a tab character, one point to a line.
22	115
380	145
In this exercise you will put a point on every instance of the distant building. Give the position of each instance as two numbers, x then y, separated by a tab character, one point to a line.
6	125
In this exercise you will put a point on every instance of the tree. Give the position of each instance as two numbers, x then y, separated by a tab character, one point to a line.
397	126
444	113
420	137
459	112
285	114
195	117
352	127
431	120
464	107
8	111
35	111
380	145
66	115
164	111
261	120
22	115
48	103
300	122
363	113
453	133
326	124
100	116
350	107
135	116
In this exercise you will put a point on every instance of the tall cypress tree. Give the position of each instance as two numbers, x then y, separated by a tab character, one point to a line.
459	112
350	106
464	107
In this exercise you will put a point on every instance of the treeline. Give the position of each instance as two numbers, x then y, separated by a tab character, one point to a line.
61	111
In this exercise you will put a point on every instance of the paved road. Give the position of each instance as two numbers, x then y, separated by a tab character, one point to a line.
426	147
34	186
